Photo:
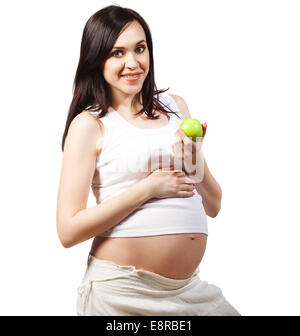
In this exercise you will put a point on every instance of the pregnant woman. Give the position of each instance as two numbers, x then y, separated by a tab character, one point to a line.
151	182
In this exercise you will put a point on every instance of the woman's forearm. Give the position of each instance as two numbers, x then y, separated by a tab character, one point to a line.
211	193
90	222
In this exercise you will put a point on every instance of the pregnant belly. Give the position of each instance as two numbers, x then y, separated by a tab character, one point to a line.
173	256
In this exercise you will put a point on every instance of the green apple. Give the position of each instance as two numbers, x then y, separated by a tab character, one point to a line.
192	128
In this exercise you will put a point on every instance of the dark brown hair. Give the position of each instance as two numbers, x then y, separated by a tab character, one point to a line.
90	90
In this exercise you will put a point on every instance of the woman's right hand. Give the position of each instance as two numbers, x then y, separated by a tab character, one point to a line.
165	183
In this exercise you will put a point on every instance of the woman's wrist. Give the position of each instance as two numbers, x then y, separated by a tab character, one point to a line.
195	168
145	189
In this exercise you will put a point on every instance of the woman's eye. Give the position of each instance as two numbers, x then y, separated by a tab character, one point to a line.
115	53
118	53
141	47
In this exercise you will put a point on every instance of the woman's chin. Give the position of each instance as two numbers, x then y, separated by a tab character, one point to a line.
132	91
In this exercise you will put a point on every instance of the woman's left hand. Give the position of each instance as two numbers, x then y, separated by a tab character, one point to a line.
189	152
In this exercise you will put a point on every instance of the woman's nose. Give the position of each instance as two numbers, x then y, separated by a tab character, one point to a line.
131	60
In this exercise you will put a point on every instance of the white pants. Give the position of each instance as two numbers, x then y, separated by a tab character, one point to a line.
108	289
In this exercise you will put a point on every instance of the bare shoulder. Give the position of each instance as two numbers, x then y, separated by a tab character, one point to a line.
182	105
176	97
77	169
85	121
87	129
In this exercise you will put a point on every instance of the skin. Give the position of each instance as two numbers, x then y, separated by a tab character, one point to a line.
207	187
131	58
175	255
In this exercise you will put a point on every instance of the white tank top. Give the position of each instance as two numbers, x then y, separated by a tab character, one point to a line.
127	153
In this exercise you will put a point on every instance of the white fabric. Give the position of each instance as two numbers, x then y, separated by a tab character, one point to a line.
108	289
127	154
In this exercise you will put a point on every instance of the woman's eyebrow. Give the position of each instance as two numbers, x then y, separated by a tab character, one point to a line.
124	48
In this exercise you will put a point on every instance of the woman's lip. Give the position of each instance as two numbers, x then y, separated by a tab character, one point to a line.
132	79
132	74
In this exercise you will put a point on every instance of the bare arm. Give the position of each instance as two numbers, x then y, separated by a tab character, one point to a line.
91	222
208	188
211	192
76	223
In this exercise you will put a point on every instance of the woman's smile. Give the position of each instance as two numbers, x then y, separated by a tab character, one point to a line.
131	78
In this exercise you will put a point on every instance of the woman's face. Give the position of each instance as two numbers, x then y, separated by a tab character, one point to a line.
129	55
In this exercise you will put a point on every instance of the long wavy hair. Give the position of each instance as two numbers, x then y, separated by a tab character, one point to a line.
90	90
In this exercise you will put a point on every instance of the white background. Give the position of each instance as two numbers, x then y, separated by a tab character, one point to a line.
236	63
